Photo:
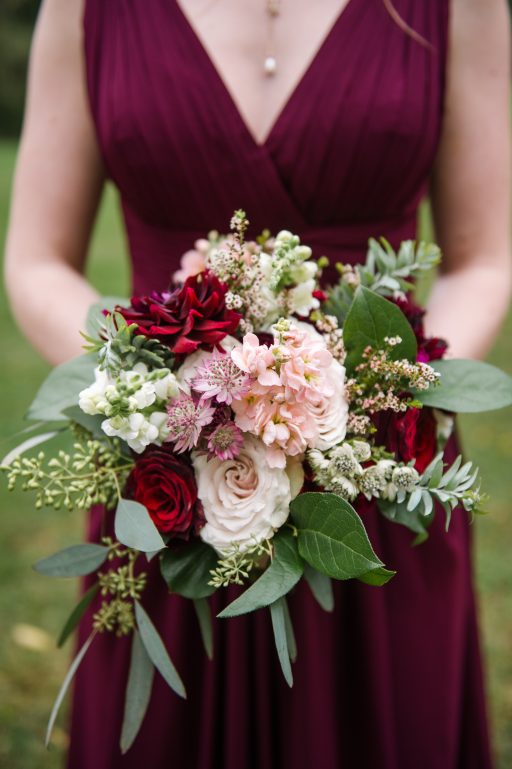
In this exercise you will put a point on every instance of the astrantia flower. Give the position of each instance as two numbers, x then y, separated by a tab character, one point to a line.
186	417
187	318
219	377
225	441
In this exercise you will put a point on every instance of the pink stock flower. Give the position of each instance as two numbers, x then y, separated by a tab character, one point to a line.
186	417
289	378
303	369
219	377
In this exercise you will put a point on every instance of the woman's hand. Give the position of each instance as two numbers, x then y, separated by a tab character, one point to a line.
471	181
57	186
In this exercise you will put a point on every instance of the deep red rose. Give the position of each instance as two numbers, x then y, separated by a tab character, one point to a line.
411	434
166	485
429	348
193	315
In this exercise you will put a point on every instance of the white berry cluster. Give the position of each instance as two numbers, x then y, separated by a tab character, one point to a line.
341	471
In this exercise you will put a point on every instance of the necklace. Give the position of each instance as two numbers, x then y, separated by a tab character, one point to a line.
270	61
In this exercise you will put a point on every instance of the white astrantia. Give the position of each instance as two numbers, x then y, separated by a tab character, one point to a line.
244	500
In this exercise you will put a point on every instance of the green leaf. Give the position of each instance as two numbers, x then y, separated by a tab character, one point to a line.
91	422
157	651
61	388
204	617
95	319
277	614
74	561
134	528
468	386
187	569
333	540
372	318
290	635
65	685
30	443
321	587
138	692
77	614
416	520
284	572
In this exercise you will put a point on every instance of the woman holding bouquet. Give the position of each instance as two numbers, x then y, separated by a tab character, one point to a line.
331	119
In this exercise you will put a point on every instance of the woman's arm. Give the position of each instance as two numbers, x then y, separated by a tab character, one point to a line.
471	182
57	187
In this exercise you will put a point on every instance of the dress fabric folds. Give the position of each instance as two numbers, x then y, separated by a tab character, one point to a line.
392	677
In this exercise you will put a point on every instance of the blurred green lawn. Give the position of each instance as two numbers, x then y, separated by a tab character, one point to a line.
33	609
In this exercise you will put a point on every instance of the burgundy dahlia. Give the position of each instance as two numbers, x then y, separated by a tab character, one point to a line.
193	315
166	485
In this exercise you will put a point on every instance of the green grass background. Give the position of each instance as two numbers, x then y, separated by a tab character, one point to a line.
31	668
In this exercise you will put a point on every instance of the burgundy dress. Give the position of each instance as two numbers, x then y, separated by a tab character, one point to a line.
391	678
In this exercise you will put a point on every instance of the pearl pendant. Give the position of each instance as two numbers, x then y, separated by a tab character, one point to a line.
270	65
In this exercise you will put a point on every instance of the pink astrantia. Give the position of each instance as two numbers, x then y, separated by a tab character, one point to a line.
225	442
219	377
186	417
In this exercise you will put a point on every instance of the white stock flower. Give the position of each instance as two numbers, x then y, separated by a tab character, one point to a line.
300	273
92	400
136	430
166	387
300	299
145	396
244	500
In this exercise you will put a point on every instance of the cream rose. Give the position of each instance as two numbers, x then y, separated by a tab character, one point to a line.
331	412
244	499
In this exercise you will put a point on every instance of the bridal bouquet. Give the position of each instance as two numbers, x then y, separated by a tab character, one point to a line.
232	425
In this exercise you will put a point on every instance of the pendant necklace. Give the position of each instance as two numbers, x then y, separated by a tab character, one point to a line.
270	61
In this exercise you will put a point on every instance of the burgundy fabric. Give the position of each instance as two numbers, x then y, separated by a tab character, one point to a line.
392	677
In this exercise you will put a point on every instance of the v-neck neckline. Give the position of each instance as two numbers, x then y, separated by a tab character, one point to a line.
313	63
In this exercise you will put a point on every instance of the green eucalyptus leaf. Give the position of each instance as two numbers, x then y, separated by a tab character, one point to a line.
277	613
372	318
157	652
77	614
138	692
321	587
65	685
74	561
134	528
91	422
204	617
290	634
333	540
27	445
61	388
415	520
279	578
468	386
187	569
